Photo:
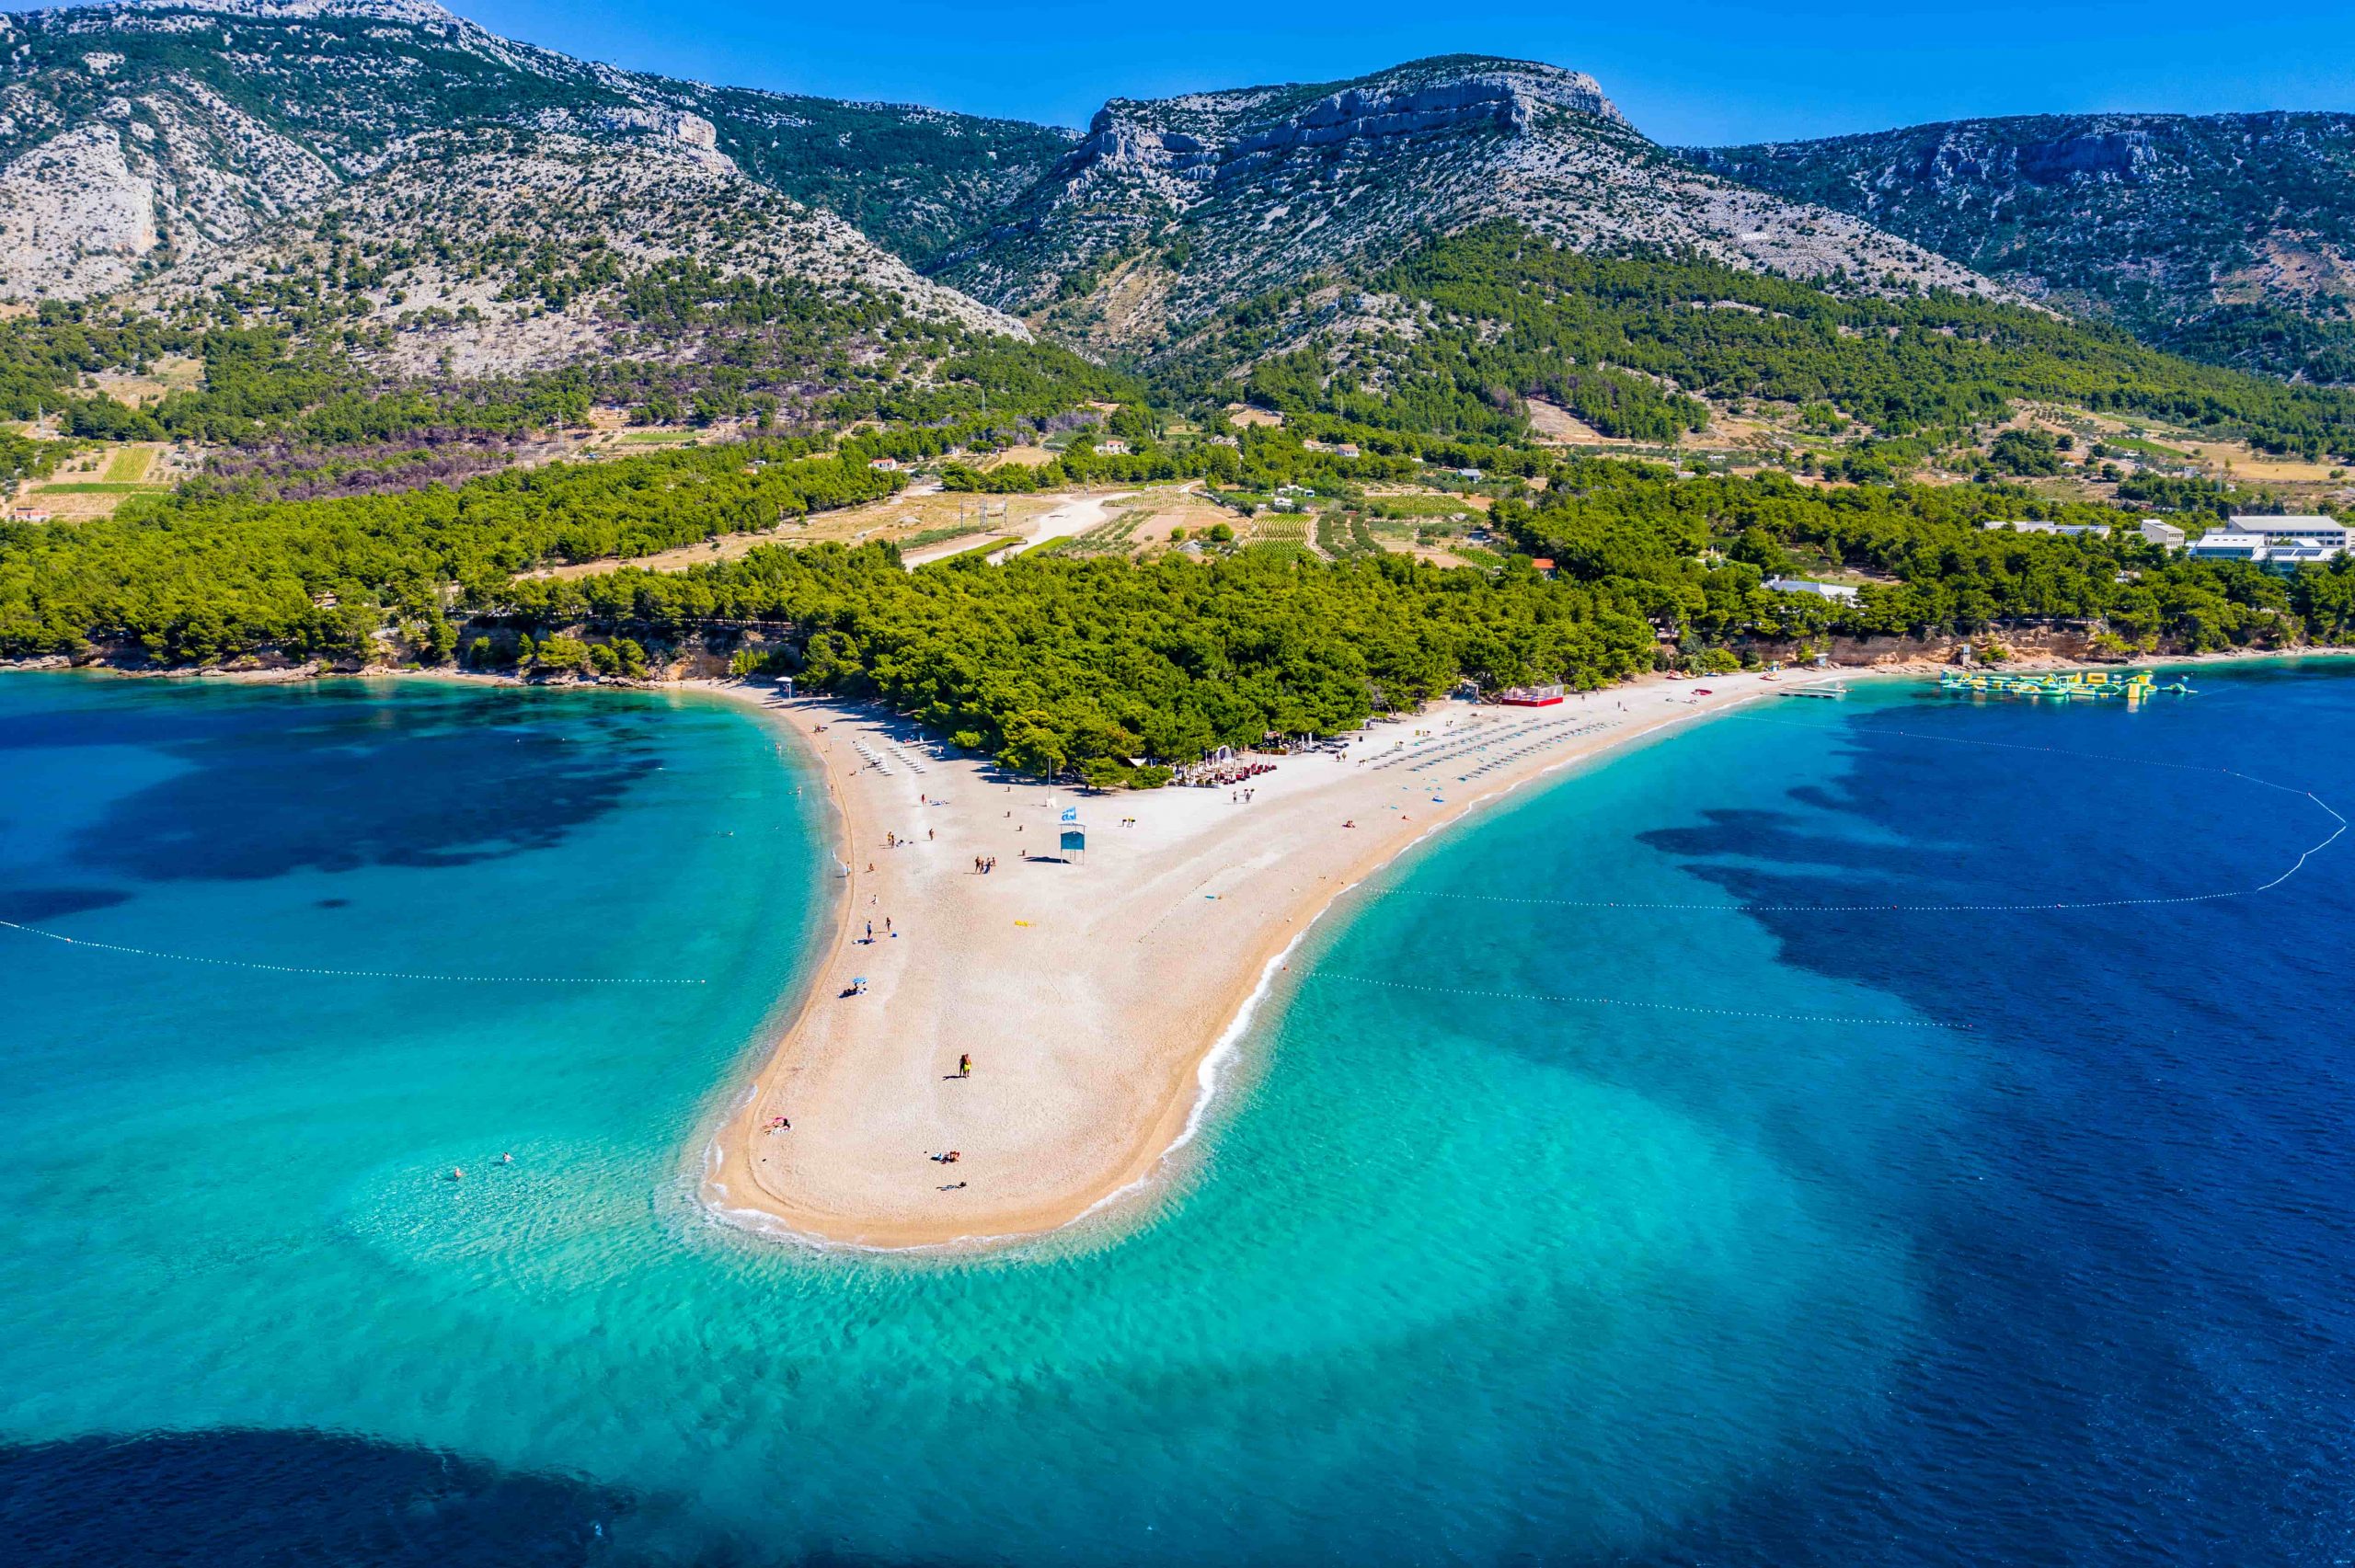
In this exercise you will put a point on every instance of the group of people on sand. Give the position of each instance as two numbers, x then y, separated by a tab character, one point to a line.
984	865
1229	773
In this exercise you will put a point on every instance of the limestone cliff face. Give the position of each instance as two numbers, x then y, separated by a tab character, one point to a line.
2117	155
73	207
1168	211
1229	132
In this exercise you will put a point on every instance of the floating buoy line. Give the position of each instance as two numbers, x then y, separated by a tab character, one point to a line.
2339	828
347	974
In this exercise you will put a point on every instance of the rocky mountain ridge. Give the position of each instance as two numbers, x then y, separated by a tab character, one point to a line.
136	134
1170	209
145	143
2230	238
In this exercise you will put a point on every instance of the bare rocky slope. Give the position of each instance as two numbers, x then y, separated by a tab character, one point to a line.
1169	211
2229	237
135	135
495	253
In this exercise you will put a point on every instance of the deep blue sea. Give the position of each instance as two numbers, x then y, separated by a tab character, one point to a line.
1807	1139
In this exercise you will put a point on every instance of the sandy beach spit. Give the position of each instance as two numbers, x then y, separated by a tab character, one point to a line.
1087	991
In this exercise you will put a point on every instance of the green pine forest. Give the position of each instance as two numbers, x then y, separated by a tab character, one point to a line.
321	535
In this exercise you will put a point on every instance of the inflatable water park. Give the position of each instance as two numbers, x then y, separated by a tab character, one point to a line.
2063	686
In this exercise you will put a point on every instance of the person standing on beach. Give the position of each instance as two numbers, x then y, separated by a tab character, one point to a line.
965	1066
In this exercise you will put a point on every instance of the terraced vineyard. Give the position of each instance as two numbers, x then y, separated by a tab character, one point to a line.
1347	537
1114	537
1279	528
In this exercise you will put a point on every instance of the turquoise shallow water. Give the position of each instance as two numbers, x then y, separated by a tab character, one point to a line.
2031	1251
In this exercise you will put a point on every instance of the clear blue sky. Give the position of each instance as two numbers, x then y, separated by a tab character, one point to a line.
1701	70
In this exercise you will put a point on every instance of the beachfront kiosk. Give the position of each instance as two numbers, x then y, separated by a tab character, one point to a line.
1073	842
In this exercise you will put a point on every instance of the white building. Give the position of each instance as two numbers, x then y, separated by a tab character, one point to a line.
1821	589
2228	545
2283	542
2307	529
2165	535
1115	447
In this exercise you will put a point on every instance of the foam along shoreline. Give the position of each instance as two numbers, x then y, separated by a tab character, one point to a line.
1100	997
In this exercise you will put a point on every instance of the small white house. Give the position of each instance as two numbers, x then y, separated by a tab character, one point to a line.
1839	590
2033	525
2165	535
888	464
1112	447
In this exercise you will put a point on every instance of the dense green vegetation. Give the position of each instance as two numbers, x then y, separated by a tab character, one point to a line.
1621	342
208	574
339	533
1064	661
1059	662
1692	550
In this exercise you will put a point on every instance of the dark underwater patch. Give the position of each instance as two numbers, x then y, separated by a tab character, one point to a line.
235	1498
381	783
30	905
